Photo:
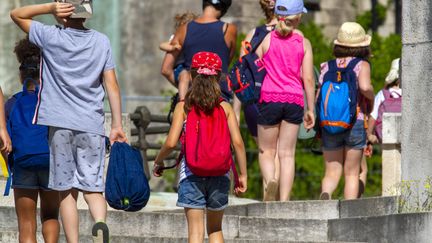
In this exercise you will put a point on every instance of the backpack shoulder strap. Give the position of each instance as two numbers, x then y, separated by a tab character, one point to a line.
353	63
332	65
386	94
258	37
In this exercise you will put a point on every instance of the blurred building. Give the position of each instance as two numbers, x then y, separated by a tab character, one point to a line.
136	28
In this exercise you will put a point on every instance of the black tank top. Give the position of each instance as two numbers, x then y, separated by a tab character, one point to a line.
208	37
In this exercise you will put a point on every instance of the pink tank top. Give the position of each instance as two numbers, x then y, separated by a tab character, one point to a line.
283	62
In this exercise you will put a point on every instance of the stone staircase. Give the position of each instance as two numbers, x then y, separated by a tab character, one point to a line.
244	221
249	221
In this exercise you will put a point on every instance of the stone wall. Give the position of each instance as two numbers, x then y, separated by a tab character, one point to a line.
417	85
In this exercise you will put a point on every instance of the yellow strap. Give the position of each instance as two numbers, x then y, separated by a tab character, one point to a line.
4	167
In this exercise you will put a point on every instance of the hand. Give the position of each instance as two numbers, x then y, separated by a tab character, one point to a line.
242	186
157	169
309	120
372	138
62	10
5	141
177	47
368	151
117	135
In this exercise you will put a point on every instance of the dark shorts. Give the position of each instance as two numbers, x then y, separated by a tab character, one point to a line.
273	113
177	70
355	138
251	117
30	178
204	192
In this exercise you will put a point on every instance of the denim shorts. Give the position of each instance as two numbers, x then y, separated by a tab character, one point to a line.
273	113
354	138
177	70
204	192
30	178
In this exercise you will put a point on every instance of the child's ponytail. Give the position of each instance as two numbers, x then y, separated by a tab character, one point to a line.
287	24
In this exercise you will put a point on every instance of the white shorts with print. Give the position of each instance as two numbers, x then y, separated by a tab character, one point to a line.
77	160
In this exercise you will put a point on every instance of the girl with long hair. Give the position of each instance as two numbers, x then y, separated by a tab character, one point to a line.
198	194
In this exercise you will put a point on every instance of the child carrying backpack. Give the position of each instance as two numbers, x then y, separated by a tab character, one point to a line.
209	128
388	100
345	92
29	158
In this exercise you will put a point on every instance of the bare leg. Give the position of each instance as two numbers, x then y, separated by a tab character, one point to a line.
69	214
353	159
49	215
97	205
287	146
363	176
195	219
214	226
267	142
333	170
184	79
25	207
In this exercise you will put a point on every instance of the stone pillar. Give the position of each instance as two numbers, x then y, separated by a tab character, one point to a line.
417	90
391	153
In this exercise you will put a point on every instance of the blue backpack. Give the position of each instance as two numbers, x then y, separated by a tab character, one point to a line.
126	186
337	100
29	141
247	74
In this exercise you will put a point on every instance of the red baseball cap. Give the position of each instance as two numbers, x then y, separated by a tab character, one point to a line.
207	63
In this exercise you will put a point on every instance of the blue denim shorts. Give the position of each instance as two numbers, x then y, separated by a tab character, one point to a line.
24	178
204	192
177	70
354	138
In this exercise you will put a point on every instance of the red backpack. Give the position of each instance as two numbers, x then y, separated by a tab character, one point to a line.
389	105
207	143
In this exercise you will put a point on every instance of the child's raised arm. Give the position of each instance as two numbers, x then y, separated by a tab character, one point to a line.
23	16
239	148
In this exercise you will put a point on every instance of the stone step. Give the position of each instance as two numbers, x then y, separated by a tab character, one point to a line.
12	236
283	229
313	209
396	228
152	224
317	209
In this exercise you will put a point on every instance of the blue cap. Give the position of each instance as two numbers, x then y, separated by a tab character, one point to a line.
289	7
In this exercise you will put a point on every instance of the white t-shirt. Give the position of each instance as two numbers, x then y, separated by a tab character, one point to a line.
379	99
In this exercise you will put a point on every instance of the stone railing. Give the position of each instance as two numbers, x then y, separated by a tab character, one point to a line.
391	153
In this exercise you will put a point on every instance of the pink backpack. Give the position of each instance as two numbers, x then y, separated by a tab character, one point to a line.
389	105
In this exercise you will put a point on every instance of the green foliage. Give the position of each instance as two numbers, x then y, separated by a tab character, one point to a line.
365	19
384	50
414	195
321	48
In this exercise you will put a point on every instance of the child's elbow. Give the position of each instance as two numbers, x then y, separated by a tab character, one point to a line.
238	144
13	15
170	145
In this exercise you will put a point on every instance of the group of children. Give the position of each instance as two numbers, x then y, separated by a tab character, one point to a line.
67	66
287	99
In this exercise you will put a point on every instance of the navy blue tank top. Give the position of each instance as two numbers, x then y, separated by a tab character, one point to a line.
208	37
